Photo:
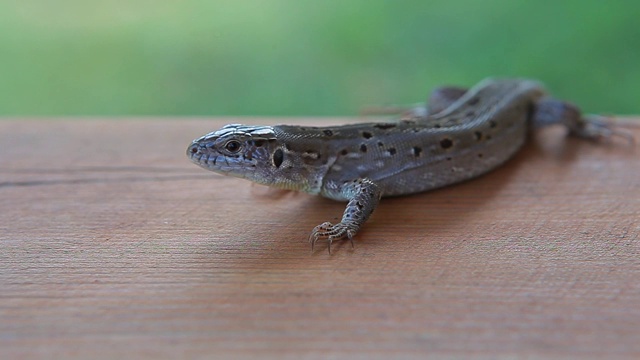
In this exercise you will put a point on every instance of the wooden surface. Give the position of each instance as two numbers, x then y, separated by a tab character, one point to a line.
114	245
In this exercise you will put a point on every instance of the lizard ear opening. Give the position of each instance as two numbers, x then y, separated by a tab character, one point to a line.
278	157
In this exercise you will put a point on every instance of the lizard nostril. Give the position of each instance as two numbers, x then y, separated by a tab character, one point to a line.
194	149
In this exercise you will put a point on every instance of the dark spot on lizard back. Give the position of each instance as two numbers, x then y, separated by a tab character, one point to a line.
344	152
380	143
478	135
492	124
384	126
366	135
417	151
278	157
446	143
363	147
328	132
473	101
392	151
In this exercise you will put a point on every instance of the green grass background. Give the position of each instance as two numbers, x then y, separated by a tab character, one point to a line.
303	57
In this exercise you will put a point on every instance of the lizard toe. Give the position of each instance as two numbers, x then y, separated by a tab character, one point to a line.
598	128
331	232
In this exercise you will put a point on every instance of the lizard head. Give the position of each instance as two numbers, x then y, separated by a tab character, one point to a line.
258	153
235	150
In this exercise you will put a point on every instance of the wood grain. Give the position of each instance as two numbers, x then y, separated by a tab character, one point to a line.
114	245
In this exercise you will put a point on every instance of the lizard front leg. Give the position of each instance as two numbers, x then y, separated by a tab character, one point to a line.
363	195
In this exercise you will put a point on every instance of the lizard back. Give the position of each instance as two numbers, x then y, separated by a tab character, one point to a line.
475	134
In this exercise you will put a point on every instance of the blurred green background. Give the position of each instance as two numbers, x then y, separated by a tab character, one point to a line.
300	57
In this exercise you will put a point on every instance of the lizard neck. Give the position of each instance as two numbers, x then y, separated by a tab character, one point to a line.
306	158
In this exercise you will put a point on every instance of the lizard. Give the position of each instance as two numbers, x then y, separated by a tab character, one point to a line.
457	135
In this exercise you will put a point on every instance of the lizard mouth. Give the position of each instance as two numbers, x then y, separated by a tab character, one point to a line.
211	160
202	156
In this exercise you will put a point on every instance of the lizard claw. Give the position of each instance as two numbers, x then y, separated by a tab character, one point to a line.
332	232
596	127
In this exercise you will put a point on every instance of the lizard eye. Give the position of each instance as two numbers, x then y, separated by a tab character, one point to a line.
232	146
